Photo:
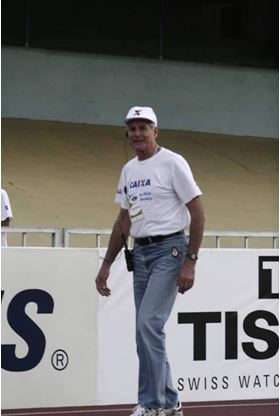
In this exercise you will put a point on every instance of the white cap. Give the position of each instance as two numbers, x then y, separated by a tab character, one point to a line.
146	113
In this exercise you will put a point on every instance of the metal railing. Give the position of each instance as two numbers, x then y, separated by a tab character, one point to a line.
54	233
60	237
67	232
245	235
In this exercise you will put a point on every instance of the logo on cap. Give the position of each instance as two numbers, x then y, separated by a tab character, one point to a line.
145	113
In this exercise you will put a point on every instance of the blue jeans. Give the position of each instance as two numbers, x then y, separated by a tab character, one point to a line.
156	268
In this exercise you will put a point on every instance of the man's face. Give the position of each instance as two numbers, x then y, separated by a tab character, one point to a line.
142	135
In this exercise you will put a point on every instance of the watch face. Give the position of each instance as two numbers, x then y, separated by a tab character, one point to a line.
192	256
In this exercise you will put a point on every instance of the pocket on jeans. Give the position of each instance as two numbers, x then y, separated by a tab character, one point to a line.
174	249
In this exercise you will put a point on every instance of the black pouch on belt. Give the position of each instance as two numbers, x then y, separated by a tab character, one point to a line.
128	256
128	259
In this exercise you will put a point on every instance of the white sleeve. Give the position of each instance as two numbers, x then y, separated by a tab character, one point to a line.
6	210
121	195
183	181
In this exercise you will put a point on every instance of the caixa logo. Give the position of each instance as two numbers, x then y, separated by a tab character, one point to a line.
26	328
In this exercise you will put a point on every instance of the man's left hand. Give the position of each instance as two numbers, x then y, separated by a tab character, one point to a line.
186	276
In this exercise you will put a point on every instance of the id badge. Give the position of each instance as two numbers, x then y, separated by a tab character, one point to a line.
135	208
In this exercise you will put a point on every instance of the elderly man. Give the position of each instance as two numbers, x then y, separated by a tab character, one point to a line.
158	199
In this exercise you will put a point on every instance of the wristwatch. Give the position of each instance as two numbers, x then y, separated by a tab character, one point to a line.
192	256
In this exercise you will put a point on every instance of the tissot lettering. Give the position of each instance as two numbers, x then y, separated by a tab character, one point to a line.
231	319
254	331
27	329
201	319
267	276
258	324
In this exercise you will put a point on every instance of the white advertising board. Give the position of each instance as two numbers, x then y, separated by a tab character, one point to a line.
49	309
62	345
221	337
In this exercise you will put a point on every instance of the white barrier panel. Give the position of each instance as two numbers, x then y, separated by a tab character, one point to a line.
59	349
221	336
49	310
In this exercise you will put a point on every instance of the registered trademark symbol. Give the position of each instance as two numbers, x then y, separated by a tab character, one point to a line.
60	360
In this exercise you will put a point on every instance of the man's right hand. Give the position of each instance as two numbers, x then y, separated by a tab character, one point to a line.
120	233
101	280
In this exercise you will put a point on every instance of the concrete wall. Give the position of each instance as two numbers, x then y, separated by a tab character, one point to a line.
48	85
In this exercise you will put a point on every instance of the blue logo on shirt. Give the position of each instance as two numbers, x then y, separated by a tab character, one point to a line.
140	183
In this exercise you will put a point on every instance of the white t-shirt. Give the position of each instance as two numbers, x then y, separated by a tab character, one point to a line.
6	212
156	191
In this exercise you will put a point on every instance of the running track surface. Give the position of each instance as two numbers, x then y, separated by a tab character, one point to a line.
229	408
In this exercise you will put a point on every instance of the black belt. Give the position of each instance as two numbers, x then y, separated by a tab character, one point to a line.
155	239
